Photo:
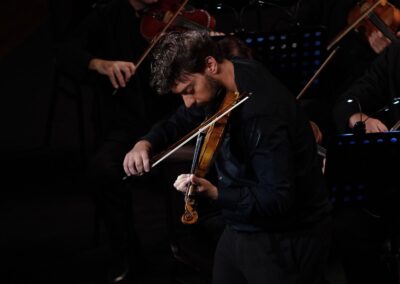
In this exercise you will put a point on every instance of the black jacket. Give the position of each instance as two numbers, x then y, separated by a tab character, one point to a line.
269	177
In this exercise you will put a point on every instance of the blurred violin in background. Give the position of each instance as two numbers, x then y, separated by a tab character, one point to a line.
170	14
369	17
385	18
156	17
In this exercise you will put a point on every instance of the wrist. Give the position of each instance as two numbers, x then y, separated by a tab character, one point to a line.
146	144
94	64
214	194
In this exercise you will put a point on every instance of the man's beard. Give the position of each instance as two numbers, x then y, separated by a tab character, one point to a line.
213	85
215	88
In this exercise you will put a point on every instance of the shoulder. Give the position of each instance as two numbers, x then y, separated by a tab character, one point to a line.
251	75
248	64
268	94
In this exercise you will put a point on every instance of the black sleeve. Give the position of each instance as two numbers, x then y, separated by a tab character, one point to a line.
167	132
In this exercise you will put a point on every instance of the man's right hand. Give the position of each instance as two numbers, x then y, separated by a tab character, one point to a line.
137	160
119	72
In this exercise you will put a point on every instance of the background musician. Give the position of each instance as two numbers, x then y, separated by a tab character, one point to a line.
357	51
103	52
377	88
362	232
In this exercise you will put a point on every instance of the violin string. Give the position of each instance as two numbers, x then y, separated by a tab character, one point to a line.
195	161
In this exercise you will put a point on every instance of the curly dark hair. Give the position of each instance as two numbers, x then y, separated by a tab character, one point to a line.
178	54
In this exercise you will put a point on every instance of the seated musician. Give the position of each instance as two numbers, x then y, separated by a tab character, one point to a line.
357	51
377	89
270	186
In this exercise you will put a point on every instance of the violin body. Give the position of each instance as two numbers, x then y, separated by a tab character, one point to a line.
157	16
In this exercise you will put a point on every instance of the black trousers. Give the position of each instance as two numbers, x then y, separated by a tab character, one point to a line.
261	257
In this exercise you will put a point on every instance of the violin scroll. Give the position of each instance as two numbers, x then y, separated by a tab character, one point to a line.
190	216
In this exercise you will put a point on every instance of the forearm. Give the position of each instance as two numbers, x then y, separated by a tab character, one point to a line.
167	132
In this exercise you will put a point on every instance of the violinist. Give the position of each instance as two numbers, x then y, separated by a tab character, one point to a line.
270	186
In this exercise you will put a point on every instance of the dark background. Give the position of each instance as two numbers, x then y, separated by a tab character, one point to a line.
48	226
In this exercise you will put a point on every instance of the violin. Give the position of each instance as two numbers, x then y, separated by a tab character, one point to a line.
158	15
385	17
207	144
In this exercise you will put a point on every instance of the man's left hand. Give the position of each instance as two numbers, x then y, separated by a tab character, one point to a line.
183	182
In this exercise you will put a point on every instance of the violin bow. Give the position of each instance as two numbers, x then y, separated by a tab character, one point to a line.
328	59
396	126
321	150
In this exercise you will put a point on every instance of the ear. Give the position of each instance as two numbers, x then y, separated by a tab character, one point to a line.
211	65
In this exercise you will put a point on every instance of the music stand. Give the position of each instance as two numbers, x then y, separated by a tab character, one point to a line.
293	56
357	165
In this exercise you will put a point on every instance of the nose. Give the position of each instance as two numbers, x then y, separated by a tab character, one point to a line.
188	100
